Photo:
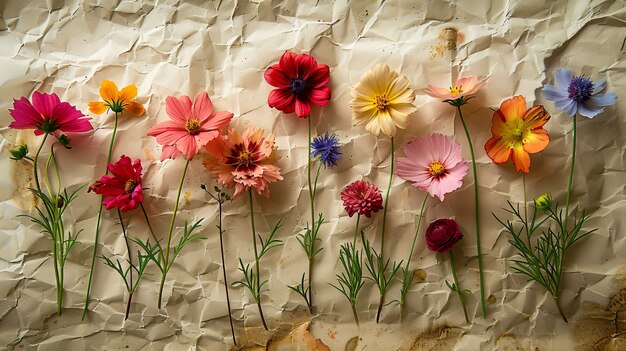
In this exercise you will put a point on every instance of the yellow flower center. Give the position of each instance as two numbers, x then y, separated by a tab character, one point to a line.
456	90
193	126
518	134
130	186
381	102
244	158
436	169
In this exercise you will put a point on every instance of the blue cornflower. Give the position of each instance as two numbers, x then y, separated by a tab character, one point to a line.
578	94
326	149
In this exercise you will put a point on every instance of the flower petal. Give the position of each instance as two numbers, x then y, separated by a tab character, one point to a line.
288	64
567	105
135	108
45	103
514	108
281	99
498	150
553	93
598	87
588	110
521	159
320	77
178	108
438	93
276	77
128	93
202	107
320	96
25	115
563	77
108	91
217	121
607	99
467	83
303	108
536	141
98	107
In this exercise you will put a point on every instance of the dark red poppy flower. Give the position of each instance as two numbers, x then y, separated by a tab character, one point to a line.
300	81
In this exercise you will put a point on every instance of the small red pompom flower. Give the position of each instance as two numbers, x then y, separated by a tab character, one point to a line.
362	197
300	81
442	234
122	188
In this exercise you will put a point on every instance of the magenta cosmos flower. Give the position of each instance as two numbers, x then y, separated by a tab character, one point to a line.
362	197
122	187
192	126
300	82
434	164
47	114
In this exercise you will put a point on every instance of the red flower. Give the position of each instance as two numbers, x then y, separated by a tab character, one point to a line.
362	197
300	81
47	114
442	234
122	189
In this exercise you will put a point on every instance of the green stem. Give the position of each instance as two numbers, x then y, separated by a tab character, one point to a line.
417	229
145	215
526	208
477	213
571	174
96	237
57	236
558	306
130	259
166	258
313	226
458	287
35	162
356	229
382	236
230	315
256	262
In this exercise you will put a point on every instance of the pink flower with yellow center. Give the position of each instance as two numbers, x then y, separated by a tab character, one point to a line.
460	92
244	161
433	163
193	125
517	133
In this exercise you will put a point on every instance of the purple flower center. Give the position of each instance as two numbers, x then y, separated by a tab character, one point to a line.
298	85
580	88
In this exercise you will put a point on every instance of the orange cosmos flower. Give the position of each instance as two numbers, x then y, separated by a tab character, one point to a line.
517	133
117	101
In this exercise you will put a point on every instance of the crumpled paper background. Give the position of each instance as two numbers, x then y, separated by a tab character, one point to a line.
223	47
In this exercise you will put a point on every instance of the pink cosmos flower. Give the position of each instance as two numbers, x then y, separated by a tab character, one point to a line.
433	163
463	89
244	161
47	114
192	126
122	188
362	197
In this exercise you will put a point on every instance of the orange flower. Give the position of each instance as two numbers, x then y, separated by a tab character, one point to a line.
517	133
116	100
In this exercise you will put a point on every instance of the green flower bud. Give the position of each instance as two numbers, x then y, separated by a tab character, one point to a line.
19	152
65	141
544	202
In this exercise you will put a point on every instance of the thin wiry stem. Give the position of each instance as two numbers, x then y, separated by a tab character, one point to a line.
97	235
256	261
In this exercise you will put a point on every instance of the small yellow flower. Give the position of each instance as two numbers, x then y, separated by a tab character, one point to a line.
382	100
117	101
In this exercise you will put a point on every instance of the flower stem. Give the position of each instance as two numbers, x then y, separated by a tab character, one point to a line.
256	262
382	236
130	261
526	208
356	316
571	173
408	261
558	306
145	215
356	229
35	162
166	258
230	316
458	287
95	241
477	213
313	226
130	299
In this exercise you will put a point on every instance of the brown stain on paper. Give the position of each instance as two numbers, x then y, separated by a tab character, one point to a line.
21	174
603	328
449	39
297	339
443	338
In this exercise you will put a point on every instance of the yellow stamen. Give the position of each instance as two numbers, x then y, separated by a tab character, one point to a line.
518	134
436	169
193	126
130	186
244	158
381	102
456	90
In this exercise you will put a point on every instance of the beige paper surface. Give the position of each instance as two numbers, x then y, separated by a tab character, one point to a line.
223	47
